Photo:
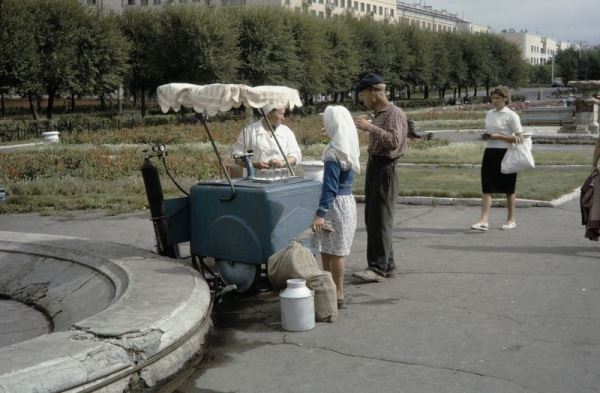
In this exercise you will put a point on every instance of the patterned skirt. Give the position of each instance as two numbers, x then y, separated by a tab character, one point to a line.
342	216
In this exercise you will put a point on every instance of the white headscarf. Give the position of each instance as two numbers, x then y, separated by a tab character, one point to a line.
340	127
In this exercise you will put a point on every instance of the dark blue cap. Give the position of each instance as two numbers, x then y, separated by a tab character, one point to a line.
368	81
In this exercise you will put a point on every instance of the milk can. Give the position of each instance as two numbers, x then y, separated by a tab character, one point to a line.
297	306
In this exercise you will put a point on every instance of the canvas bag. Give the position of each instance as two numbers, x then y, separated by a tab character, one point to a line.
325	297
518	157
293	261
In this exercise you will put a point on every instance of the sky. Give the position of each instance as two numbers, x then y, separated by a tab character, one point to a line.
564	20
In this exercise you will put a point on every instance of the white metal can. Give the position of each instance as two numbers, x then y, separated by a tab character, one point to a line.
297	306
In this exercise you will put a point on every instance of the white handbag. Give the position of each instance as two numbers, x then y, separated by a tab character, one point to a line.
518	157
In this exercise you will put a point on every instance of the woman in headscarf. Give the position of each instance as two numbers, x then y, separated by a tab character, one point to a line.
337	204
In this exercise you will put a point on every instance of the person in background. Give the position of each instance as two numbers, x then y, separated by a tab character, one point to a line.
337	204
259	138
387	142
502	127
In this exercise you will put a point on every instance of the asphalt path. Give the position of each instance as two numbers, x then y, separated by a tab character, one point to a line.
497	311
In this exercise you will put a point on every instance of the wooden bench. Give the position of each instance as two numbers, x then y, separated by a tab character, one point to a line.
414	132
548	116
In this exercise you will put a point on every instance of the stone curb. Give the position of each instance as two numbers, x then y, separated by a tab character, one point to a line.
155	325
477	201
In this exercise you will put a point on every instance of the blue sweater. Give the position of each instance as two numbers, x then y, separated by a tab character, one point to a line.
335	182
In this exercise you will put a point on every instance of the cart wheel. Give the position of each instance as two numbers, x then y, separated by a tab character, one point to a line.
243	275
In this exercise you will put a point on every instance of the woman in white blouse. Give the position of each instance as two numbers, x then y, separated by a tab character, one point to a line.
502	127
258	138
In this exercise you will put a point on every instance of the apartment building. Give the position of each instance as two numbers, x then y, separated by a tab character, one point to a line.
535	49
377	9
394	11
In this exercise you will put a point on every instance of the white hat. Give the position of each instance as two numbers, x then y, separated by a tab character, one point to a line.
270	107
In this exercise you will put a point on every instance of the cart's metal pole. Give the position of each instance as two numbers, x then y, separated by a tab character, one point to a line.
203	120
277	141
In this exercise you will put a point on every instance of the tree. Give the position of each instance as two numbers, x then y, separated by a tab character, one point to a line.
342	61
266	45
458	70
541	74
374	48
58	26
440	68
198	45
401	61
567	62
102	56
310	42
420	69
594	64
141	27
478	58
19	58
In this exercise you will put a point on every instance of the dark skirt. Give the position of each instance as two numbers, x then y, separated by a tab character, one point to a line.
492	179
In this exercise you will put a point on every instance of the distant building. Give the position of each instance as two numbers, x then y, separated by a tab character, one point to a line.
395	11
535	49
427	18
377	9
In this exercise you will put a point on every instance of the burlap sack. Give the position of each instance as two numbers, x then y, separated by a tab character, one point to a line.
325	297
294	261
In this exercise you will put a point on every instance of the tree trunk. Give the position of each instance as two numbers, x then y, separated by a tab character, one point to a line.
39	103
143	101
72	102
102	102
475	91
426	92
50	105
2	104
32	107
408	92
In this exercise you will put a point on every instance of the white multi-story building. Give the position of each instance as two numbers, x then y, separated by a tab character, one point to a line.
427	18
535	49
395	11
377	9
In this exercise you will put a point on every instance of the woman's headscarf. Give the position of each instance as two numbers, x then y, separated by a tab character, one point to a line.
340	127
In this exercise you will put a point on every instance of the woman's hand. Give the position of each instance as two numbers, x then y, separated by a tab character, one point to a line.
261	164
276	163
317	224
518	138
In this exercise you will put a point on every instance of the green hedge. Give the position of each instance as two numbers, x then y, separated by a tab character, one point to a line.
16	130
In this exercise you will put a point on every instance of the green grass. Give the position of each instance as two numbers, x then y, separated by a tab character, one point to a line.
539	184
471	153
101	170
432	125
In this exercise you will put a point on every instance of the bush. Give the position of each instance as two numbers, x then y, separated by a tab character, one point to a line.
16	130
518	97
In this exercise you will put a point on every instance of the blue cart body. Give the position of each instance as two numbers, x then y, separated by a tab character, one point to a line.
262	218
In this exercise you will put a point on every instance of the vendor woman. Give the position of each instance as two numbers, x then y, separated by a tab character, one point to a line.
259	138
